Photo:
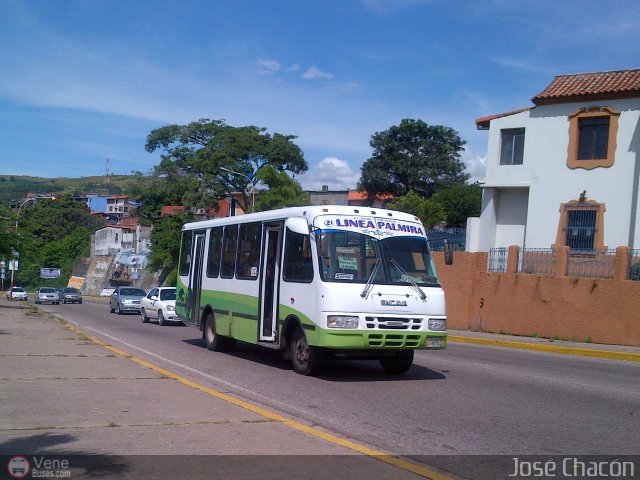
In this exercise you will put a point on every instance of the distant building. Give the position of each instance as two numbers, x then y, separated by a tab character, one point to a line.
113	239
112	208
170	210
328	197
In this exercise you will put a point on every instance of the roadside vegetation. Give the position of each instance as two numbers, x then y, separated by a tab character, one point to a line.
203	162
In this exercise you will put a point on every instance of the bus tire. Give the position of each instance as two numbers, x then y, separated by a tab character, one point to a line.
398	363
213	341
307	360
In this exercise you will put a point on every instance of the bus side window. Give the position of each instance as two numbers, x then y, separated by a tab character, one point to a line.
297	258
249	252
185	253
229	247
215	250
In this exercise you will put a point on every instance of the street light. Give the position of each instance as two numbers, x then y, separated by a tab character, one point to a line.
253	186
16	254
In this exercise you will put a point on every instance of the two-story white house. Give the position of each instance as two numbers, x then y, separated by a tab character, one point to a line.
565	171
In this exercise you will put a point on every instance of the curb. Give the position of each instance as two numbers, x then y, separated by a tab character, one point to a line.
583	352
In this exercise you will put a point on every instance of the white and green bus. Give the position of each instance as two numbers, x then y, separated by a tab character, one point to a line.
314	282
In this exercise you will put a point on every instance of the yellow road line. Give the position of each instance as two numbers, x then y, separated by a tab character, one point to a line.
390	459
584	352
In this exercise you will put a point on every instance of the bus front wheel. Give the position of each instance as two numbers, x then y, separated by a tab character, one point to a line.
398	363
212	340
306	360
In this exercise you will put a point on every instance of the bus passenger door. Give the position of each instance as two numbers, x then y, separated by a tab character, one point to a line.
195	281
269	284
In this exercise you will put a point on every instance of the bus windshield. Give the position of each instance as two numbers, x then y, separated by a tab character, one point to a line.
354	257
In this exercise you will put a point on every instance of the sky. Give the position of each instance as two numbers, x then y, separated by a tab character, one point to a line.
83	82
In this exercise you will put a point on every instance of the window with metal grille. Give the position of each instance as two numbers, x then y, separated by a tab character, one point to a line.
581	229
511	146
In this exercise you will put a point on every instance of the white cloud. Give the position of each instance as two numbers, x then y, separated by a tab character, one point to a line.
314	73
336	174
269	67
532	67
475	165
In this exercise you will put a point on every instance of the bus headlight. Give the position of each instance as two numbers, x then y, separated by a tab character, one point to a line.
437	324
342	321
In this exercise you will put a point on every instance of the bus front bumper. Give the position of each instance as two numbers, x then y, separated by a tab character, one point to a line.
377	339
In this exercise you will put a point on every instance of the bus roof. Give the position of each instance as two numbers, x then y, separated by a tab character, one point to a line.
309	212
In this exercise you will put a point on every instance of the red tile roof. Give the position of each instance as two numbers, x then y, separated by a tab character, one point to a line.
356	195
590	86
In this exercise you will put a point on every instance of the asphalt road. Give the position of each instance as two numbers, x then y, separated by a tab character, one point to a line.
466	400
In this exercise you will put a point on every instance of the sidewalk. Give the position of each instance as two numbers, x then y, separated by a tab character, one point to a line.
596	350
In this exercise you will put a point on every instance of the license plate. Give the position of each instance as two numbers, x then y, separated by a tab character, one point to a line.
394	324
434	342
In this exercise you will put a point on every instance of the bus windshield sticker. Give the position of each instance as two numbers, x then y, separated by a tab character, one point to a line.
344	276
347	263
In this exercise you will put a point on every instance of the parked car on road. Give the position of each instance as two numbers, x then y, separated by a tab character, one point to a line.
160	304
47	295
125	300
71	295
17	293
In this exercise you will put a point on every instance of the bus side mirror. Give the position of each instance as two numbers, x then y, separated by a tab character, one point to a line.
448	252
297	225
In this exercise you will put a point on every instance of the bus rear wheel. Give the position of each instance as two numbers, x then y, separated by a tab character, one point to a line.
307	360
400	362
213	341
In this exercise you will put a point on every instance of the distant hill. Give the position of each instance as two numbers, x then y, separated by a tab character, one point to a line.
15	187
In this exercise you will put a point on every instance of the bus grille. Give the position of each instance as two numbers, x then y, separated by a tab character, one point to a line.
393	323
394	340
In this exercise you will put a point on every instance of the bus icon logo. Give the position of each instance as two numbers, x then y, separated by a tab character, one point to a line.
18	467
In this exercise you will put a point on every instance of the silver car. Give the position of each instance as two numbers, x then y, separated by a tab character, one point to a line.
47	295
71	295
125	300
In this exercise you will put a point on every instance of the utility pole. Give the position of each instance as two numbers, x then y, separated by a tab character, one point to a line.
16	255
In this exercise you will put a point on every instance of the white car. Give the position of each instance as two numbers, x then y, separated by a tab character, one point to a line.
160	304
17	293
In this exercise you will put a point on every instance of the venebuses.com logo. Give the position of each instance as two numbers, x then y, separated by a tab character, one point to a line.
18	467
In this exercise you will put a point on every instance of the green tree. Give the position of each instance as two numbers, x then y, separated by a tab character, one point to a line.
428	211
165	244
459	202
53	233
210	151
413	156
283	191
7	235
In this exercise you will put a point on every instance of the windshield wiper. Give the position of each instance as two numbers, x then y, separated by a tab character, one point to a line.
411	280
369	285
